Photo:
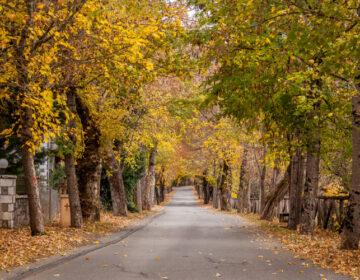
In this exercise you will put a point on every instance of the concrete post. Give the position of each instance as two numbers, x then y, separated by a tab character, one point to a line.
7	200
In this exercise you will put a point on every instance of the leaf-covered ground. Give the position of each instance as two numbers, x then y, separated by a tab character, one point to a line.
17	247
322	248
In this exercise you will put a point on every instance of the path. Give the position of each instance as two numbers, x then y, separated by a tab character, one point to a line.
189	242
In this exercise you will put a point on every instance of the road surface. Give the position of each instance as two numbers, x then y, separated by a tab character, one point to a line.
189	242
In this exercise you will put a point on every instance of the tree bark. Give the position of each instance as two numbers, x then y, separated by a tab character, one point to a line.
296	188
206	190
145	193
70	169
262	181
309	201
241	191
225	192
89	165
215	198
116	183
138	194
157	195
276	195
162	183
149	189
307	220
32	190
351	230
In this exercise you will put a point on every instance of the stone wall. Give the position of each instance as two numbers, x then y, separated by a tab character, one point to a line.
7	200
14	209
50	206
21	211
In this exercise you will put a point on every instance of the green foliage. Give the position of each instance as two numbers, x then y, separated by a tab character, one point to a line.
57	177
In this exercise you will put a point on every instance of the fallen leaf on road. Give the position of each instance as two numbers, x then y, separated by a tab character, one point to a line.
281	270
301	271
260	257
218	275
96	242
56	275
223	260
125	255
164	277
116	253
105	265
244	261
157	258
87	258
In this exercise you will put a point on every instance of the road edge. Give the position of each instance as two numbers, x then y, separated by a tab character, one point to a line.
53	261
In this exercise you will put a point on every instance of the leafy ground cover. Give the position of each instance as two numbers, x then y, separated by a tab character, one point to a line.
18	247
322	248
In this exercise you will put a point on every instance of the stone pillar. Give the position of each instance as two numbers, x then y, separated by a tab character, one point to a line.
7	200
65	216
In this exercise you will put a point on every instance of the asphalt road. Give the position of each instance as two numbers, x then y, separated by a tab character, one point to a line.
189	242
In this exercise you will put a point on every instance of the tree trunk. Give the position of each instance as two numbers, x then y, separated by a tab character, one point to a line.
262	182
307	220
70	169
31	183
225	192
276	195
116	183
32	190
162	182
27	124
296	188
351	230
89	165
157	195
206	188
248	198
241	191
145	193
215	198
149	188
309	202
138	194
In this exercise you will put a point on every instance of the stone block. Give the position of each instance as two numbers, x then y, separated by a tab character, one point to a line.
6	216
4	207
12	190
11	207
7	182
7	199
4	190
